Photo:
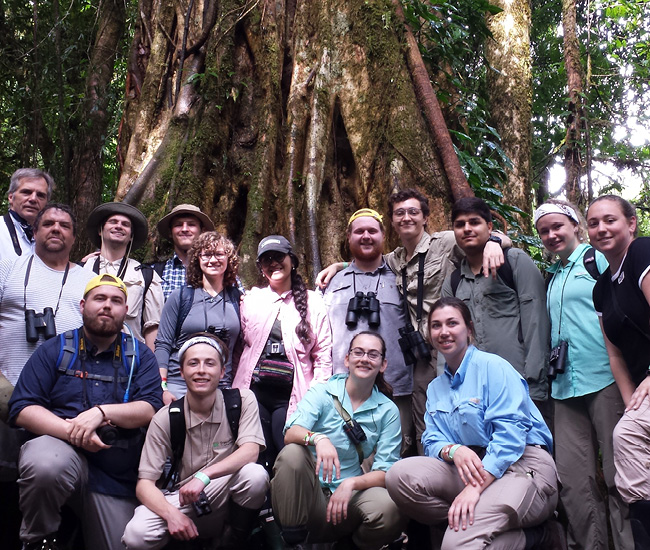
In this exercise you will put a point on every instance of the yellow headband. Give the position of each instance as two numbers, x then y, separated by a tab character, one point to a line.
105	279
366	213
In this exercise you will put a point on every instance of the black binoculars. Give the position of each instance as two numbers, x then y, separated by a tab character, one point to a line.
413	345
39	322
221	333
557	359
363	303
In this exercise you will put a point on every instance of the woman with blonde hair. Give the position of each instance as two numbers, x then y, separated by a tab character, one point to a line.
587	402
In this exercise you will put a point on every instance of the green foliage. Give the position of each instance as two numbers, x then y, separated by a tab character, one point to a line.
615	36
451	36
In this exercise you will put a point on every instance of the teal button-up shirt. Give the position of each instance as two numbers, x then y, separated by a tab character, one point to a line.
378	416
574	320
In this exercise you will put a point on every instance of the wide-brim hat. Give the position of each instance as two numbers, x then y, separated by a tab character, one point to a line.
165	224
139	225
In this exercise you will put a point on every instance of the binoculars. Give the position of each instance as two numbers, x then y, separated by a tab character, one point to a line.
39	322
413	345
362	303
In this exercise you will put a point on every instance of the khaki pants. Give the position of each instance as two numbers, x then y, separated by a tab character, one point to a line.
525	496
298	501
52	473
247	488
632	454
583	425
423	373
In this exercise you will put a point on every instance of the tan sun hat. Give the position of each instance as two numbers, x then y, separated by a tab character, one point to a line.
165	224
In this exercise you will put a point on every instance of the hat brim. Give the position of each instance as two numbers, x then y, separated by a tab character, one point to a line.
139	225
165	224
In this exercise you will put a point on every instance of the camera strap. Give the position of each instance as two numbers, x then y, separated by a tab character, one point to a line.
550	286
348	420
420	291
12	233
205	310
29	270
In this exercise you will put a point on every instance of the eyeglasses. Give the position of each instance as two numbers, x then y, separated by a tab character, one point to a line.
207	256
272	257
372	354
401	212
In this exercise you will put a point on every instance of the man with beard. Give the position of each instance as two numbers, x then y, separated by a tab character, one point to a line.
378	307
29	190
85	397
46	287
117	228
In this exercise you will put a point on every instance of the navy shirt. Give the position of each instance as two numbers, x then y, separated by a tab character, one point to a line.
111	471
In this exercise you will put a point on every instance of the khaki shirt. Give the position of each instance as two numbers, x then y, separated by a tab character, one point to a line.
206	441
442	256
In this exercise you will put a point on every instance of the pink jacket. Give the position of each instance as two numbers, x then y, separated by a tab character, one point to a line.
312	364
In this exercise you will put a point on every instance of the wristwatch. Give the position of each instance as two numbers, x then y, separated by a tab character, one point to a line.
495	239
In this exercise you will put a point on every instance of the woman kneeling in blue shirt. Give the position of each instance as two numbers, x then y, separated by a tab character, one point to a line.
488	470
320	492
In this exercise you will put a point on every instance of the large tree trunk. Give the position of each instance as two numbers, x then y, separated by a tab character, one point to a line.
576	119
87	165
510	89
287	117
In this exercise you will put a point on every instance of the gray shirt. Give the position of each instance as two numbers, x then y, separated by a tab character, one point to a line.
512	323
337	296
206	311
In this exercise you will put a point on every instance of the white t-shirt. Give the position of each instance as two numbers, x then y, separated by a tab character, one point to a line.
7	251
42	291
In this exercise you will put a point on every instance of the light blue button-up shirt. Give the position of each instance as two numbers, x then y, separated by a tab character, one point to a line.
378	416
486	404
574	320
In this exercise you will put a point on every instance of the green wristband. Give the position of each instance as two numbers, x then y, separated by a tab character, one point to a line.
453	449
202	477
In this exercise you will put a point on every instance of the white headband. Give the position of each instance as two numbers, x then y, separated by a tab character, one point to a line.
554	208
200	340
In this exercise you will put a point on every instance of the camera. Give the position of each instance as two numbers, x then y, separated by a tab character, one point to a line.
39	322
202	505
221	333
108	434
557	359
362	303
413	345
354	431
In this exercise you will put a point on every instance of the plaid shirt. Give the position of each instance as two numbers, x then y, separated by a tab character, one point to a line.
173	275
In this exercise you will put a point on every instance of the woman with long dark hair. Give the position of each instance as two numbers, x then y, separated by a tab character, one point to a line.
320	491
287	340
209	303
488	468
586	400
621	298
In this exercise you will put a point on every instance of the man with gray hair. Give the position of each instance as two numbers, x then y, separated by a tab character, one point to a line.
29	190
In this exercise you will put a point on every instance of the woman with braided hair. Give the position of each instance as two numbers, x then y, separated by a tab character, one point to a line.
287	341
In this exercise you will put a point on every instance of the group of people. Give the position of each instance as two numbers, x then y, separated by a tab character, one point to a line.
163	402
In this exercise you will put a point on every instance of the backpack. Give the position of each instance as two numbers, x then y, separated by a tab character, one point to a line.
67	359
232	402
504	272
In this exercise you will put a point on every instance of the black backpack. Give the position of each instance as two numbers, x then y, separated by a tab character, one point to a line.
232	402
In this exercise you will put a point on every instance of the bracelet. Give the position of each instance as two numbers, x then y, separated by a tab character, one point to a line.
318	437
345	265
308	437
163	384
102	411
202	477
453	449
444	453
